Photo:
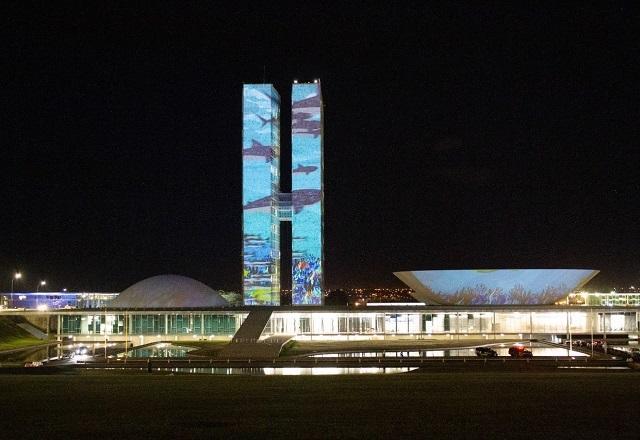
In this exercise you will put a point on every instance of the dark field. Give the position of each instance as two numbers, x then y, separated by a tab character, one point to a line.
430	405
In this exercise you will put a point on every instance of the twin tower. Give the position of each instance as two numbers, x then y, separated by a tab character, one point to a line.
264	206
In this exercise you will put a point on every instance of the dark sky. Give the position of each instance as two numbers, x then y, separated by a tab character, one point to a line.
471	135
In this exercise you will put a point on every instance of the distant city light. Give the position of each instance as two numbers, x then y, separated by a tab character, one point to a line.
395	304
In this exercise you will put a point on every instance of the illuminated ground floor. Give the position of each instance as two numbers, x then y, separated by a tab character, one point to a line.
141	327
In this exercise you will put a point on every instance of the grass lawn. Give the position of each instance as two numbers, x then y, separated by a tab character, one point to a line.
12	336
424	405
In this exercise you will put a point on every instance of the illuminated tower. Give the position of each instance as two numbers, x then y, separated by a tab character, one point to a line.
264	206
260	192
306	194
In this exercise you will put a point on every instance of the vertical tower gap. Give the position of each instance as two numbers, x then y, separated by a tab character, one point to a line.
265	207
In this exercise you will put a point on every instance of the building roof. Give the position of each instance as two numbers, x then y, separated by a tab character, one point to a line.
165	291
495	286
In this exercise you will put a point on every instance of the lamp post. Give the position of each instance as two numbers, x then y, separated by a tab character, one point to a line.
41	283
16	276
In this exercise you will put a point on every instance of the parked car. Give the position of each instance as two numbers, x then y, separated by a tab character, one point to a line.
33	364
526	353
81	350
519	351
486	352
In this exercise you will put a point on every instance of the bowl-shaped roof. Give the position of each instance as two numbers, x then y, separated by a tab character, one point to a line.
168	291
495	286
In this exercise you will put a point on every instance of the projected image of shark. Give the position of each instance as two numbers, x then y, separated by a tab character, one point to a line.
304	197
265	121
306	126
258	150
304	169
299	199
310	104
263	204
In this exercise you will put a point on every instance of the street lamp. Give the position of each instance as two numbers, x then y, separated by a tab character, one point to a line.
41	283
16	276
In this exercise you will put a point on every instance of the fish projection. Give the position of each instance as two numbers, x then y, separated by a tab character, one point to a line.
495	286
306	194
260	187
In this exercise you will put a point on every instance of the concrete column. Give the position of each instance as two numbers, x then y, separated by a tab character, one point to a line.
348	324
493	326
384	325
59	337
129	324
530	325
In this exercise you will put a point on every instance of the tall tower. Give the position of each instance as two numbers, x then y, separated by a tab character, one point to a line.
264	206
260	192
307	194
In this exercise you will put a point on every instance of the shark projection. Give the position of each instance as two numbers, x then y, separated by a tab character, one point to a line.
303	125
265	121
308	104
264	207
258	150
299	199
303	169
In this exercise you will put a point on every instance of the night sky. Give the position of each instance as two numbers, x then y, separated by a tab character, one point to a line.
471	135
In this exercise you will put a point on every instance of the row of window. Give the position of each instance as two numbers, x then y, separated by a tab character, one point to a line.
150	324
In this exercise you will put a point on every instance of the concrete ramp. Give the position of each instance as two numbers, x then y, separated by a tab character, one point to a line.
252	327
246	343
268	348
34	331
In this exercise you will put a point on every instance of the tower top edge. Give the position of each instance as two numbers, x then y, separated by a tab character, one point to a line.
314	81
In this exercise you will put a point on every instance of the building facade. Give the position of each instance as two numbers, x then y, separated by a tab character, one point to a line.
260	193
265	206
417	322
307	194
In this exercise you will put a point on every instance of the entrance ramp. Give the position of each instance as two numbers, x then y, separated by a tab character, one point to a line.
36	332
246	343
252	327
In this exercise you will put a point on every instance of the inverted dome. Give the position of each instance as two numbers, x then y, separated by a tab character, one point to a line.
168	291
495	286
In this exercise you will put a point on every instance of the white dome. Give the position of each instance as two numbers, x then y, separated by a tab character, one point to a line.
168	291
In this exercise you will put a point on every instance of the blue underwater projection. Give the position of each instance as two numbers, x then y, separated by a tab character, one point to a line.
306	194
495	286
260	187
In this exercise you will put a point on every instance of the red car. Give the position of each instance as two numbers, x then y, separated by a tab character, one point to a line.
519	351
